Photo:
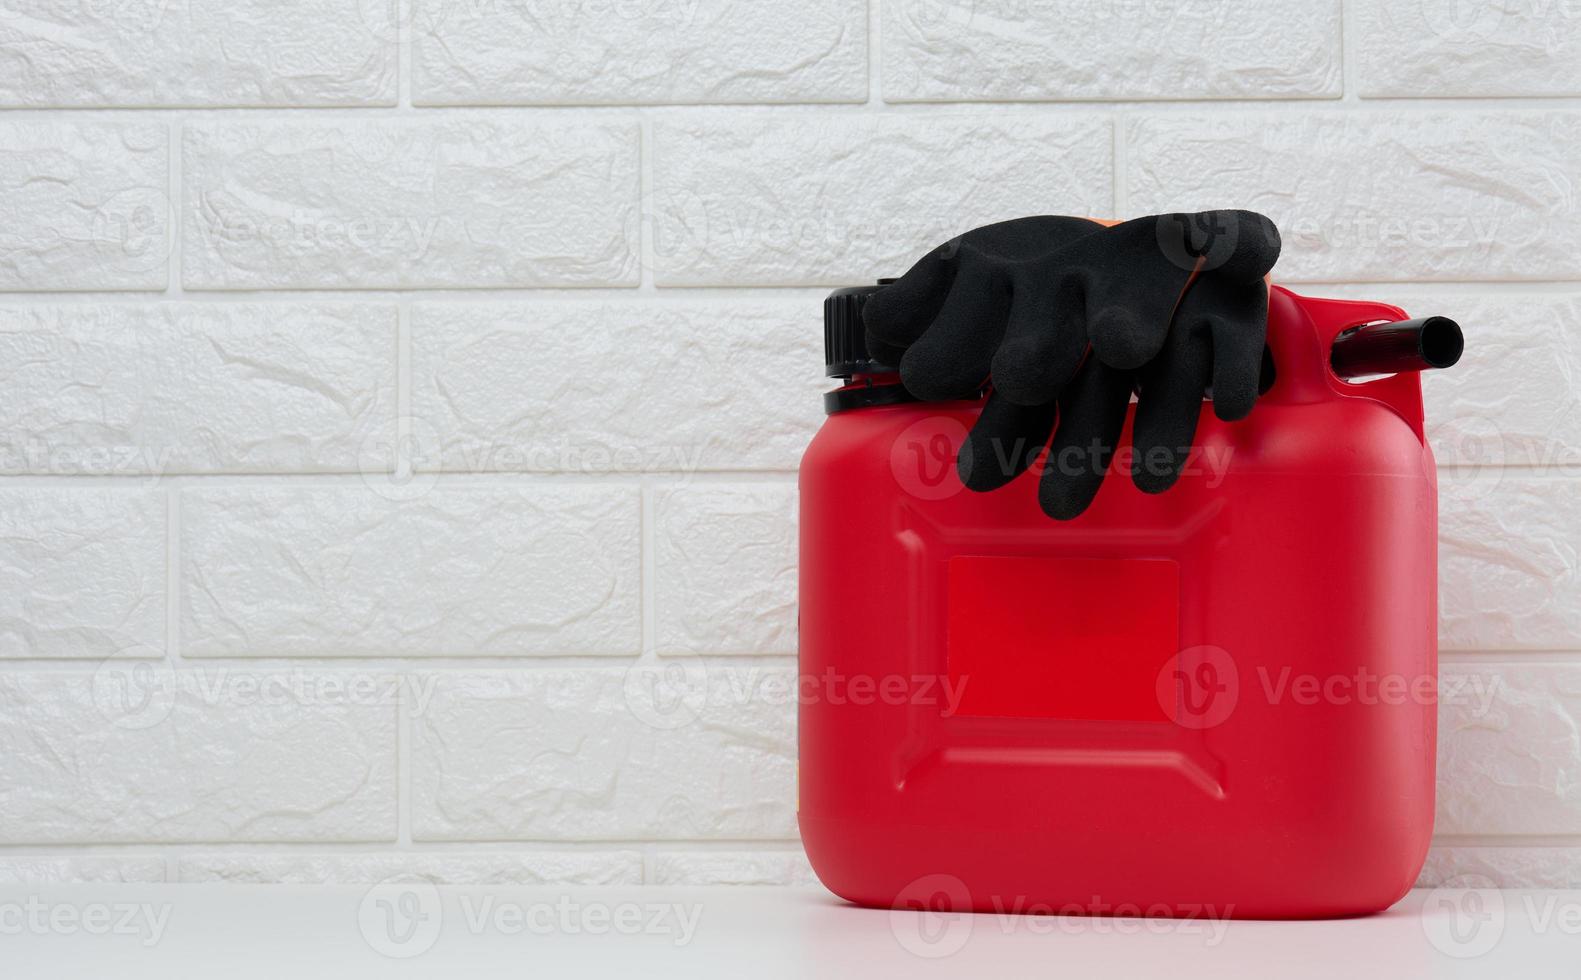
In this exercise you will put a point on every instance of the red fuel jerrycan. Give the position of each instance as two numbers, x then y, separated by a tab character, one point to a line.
1220	699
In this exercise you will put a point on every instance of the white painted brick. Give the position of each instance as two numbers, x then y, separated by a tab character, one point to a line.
1509	570
83	205
442	202
941	50
1508	758
115	755
472	53
732	868
1438	48
606	754
573	386
831	199
194	52
1504	867
1376	196
82	573
726	568
30	870
446	571
1512	399
541	868
194	388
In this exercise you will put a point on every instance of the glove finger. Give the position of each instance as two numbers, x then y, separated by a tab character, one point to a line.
902	311
1239	246
1092	415
1146	264
1152	260
899	313
952	358
1268	375
1239	326
1045	339
1169	406
1021	238
1004	442
883	352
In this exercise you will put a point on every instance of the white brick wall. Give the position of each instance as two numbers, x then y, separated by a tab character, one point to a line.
302	430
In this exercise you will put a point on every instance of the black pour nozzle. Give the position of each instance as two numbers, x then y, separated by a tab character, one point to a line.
1390	348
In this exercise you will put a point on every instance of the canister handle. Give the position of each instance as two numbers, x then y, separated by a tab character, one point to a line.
1301	333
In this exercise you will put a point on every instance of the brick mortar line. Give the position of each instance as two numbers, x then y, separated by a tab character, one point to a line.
658	846
722	296
403	773
528	663
416	663
375	848
173	587
525	664
619	294
491	479
1349	62
515	480
648	585
654	846
596	114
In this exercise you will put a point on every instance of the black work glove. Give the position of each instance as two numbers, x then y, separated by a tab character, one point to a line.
1063	317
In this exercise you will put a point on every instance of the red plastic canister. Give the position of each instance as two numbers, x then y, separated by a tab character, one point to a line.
1217	700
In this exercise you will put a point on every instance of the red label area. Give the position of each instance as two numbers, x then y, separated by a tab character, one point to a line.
1072	638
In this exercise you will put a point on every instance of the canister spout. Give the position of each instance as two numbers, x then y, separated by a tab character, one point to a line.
1390	348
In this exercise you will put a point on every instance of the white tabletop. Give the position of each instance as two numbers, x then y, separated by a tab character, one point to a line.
395	930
